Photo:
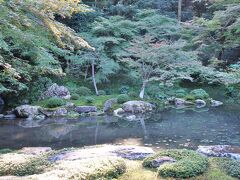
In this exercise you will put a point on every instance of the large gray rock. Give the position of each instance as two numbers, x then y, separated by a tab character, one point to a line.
137	107
200	103
128	152
179	102
220	151
26	111
55	112
215	103
85	109
56	91
109	104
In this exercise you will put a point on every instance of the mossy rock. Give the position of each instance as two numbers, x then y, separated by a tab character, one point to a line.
199	94
97	168
229	166
22	164
188	163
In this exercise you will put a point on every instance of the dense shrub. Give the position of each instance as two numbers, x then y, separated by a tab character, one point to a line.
122	98
180	93
83	91
89	100
124	89
189	98
22	164
101	92
189	163
133	94
199	94
230	166
55	102
75	97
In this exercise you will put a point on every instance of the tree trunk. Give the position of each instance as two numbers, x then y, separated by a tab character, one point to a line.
93	78
86	73
179	10
141	95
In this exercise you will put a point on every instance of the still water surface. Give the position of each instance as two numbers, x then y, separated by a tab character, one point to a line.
167	129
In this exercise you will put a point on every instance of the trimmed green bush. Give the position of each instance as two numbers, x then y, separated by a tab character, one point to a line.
189	163
133	94
55	102
89	100
124	89
189	98
83	91
230	166
199	94
180	93
122	98
101	92
22	164
75	97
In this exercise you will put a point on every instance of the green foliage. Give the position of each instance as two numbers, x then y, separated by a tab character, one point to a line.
124	89
133	94
122	98
189	163
189	97
83	91
101	93
180	93
75	97
89	100
230	166
20	164
199	94
54	102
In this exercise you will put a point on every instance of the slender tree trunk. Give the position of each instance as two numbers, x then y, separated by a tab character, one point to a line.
86	73
179	10
141	95
93	78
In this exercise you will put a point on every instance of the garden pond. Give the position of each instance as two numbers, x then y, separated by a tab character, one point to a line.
170	128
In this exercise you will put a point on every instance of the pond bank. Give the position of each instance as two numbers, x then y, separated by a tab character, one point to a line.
108	161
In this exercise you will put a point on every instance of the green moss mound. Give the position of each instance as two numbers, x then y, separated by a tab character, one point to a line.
83	91
22	164
199	94
55	102
229	166
189	163
122	98
75	97
97	168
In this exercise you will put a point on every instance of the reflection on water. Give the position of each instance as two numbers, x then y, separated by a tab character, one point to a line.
167	129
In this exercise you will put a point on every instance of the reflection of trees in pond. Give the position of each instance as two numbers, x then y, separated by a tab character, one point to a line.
58	130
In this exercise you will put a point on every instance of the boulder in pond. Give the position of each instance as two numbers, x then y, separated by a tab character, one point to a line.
109	104
200	103
215	103
26	111
137	107
220	151
58	112
56	91
118	112
85	109
179	101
